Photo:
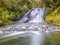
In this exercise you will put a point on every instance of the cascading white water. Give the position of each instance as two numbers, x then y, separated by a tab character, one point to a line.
37	38
37	14
34	15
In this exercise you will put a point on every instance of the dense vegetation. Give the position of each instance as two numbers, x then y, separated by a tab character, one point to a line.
54	12
12	10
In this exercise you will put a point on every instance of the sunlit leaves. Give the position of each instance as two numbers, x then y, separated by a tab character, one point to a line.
14	9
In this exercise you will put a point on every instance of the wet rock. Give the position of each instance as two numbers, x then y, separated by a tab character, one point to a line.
30	26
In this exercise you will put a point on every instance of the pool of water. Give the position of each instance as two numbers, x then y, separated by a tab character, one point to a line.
17	41
25	39
21	39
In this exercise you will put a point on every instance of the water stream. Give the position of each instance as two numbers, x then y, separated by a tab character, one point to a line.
35	15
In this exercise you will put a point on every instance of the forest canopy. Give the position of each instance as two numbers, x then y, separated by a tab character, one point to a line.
13	10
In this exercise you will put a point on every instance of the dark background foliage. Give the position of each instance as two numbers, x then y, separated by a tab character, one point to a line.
13	10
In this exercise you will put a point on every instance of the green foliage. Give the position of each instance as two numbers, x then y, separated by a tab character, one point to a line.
4	16
53	12
14	9
54	17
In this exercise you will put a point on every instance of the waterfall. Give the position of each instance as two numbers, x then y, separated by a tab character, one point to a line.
34	15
